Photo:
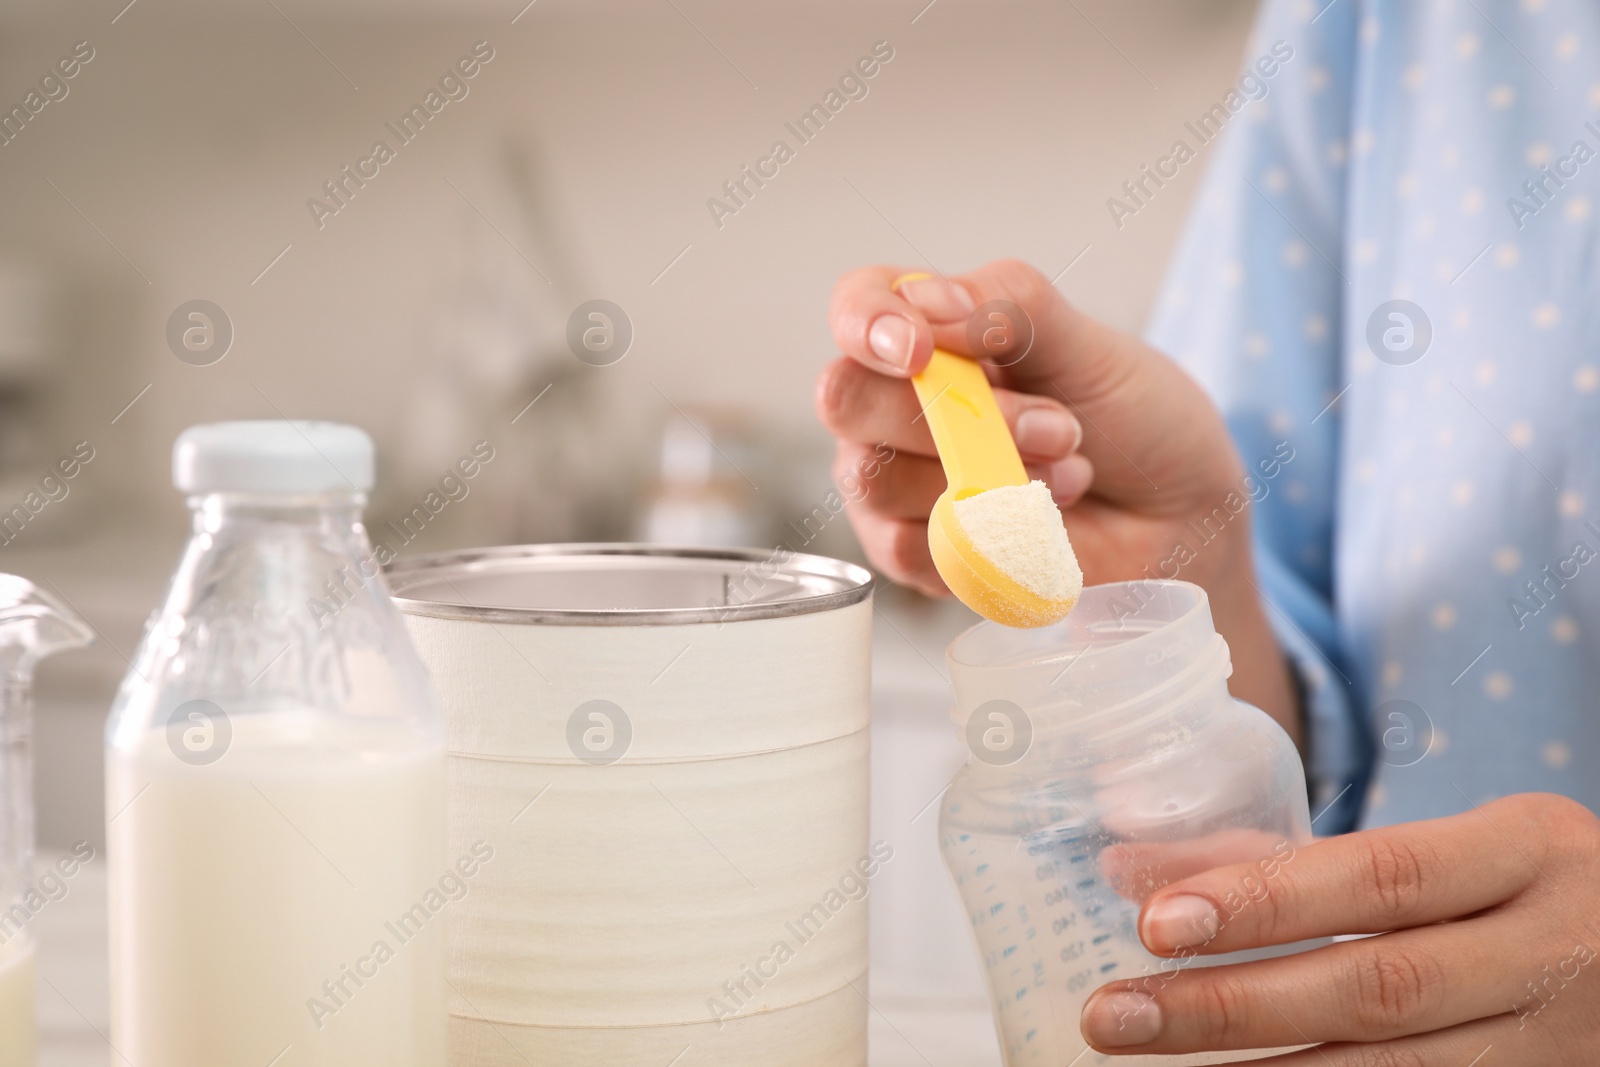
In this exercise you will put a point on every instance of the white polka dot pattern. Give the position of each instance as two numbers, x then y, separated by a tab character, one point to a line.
1394	274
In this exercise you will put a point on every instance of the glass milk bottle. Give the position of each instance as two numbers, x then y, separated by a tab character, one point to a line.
1108	760
275	780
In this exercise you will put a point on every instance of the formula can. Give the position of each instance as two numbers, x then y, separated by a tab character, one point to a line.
658	783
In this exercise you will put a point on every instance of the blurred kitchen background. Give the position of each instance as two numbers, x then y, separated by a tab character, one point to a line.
432	309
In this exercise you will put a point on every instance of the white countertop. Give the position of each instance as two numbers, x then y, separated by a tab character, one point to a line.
74	984
74	1007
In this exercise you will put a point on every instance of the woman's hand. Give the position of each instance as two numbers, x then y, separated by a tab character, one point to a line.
1489	951
1129	444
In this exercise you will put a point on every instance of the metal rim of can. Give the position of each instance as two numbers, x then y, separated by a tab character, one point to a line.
836	583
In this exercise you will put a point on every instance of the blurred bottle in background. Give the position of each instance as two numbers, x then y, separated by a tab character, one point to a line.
703	494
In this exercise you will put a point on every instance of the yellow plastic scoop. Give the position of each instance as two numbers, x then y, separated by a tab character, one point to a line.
1027	556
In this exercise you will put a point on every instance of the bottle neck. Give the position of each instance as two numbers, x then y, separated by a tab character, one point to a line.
307	556
272	580
1132	666
1114	711
278	605
320	512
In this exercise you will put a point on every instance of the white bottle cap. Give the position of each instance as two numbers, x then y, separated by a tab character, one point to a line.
273	456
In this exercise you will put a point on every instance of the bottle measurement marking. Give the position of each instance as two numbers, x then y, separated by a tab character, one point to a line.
1065	916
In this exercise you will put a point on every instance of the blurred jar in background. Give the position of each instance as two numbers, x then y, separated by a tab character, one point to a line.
705	495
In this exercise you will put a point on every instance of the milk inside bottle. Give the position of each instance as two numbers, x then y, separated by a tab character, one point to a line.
275	781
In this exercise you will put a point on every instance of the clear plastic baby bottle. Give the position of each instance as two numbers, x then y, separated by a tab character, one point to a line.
275	780
1108	760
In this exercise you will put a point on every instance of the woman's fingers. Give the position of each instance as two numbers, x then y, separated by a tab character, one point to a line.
903	488
1043	428
1069	479
1365	882
1486	919
1157	443
1374	989
906	485
888	330
861	405
1024	324
940	299
1463	1045
890	318
1139	869
899	549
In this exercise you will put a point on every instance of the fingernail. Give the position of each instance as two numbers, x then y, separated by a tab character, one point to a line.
1181	921
1117	1020
940	300
1045	432
1068	480
891	337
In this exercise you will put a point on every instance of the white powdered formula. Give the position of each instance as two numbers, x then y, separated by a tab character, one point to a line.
1019	528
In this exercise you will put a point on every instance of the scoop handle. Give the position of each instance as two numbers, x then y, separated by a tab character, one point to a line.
974	443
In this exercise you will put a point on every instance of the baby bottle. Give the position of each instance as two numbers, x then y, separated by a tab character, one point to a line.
1108	760
275	780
